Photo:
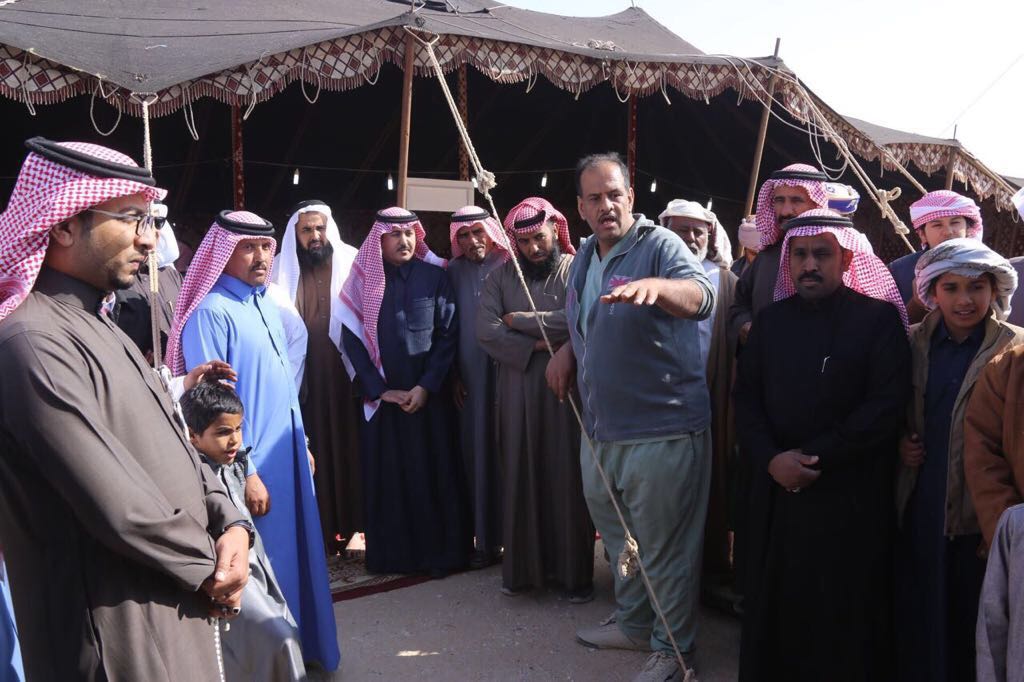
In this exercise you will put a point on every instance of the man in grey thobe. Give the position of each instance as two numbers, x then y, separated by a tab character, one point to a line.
118	541
479	246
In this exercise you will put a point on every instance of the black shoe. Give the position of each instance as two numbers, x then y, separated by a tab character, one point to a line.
437	573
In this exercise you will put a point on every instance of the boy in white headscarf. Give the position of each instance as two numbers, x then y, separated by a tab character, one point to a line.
967	288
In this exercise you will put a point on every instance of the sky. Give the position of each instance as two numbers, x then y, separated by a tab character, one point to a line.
906	64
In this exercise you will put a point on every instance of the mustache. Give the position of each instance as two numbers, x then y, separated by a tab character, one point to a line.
811	277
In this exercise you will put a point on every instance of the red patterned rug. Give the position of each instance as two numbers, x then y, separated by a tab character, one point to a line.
349	579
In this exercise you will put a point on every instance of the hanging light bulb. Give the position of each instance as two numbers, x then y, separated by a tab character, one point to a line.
654	185
710	201
295	177
391	182
544	180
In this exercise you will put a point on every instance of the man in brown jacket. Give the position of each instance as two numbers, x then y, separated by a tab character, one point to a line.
994	440
118	540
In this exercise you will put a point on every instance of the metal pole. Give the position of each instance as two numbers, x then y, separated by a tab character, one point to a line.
949	169
237	159
406	122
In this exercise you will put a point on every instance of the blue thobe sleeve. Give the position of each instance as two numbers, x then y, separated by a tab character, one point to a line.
205	338
445	341
369	378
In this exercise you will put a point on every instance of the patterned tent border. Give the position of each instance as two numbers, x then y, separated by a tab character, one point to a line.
352	61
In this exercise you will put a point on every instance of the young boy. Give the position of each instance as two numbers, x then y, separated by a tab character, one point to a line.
263	642
967	287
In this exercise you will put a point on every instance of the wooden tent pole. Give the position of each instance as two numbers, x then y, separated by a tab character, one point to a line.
237	159
762	132
949	169
406	124
631	141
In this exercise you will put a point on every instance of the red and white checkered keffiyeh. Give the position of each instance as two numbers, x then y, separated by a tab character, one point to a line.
205	269
765	220
46	194
946	204
532	207
491	225
363	291
867	274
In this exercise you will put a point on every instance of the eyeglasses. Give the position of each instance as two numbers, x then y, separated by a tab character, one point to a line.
143	223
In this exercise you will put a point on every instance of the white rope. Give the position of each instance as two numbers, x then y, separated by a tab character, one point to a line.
92	113
302	78
190	121
23	85
629	562
145	99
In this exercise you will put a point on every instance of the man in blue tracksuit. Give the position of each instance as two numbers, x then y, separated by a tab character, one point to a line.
635	295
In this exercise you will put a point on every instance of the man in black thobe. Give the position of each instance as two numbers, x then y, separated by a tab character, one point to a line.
821	389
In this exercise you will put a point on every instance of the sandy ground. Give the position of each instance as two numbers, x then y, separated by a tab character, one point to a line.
463	628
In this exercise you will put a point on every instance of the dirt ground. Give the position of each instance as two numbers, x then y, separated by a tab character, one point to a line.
463	628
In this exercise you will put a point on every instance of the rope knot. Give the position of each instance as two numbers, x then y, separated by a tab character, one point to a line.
485	181
887	196
629	558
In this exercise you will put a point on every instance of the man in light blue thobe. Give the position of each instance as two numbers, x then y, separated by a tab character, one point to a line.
237	322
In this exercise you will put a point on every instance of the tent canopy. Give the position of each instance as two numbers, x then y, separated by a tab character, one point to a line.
171	53
150	46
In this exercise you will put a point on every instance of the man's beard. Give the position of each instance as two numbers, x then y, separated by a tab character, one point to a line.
542	270
316	257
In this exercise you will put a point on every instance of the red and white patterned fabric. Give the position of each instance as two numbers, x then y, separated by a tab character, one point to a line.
491	224
363	291
531	208
206	267
46	194
967	257
765	220
945	203
867	274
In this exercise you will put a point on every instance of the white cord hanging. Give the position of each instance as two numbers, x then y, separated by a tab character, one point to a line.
302	77
92	112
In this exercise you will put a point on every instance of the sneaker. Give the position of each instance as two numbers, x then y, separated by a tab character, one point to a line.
607	635
661	666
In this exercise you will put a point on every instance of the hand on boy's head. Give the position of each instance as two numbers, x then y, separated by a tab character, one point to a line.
214	370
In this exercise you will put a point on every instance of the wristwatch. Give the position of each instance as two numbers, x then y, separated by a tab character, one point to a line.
247	526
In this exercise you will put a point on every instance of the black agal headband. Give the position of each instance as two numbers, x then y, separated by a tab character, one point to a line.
87	163
248	229
813	176
397	219
836	221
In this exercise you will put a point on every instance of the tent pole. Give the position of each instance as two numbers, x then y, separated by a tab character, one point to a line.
631	141
949	170
237	166
403	138
463	97
762	132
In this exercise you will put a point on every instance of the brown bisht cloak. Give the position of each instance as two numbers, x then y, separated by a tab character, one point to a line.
107	517
330	412
547	530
